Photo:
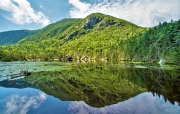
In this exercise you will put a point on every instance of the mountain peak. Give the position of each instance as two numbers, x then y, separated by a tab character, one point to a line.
91	21
102	20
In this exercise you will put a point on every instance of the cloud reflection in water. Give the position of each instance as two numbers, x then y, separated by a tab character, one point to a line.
142	104
21	104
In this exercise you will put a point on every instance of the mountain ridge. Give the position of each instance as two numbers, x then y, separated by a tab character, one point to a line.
13	36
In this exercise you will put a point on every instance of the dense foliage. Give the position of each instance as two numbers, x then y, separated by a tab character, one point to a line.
12	37
98	37
159	42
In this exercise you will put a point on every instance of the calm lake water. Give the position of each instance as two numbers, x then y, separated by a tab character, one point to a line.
89	88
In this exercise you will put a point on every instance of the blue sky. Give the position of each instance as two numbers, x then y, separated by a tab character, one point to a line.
35	14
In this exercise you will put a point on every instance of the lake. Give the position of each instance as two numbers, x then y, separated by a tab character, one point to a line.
89	88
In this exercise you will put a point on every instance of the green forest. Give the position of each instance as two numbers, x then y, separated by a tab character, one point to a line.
98	37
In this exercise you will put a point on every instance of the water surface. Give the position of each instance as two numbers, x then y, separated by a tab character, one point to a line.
89	88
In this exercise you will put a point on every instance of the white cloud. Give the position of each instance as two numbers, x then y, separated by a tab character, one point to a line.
22	12
21	104
141	12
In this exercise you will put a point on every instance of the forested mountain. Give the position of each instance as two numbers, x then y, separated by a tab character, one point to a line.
12	37
98	37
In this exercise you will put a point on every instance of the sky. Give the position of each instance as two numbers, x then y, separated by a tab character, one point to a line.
36	14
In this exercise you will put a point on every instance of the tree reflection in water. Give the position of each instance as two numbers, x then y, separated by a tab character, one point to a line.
105	84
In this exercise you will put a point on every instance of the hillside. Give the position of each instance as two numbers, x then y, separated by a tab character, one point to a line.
12	37
98	37
49	31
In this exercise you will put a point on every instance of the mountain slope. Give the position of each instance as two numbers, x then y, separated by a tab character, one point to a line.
50	31
12	37
97	36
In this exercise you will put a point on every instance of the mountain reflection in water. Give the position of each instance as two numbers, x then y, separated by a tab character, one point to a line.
144	103
107	87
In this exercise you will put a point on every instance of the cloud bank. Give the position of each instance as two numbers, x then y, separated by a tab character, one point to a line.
21	104
141	12
21	12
